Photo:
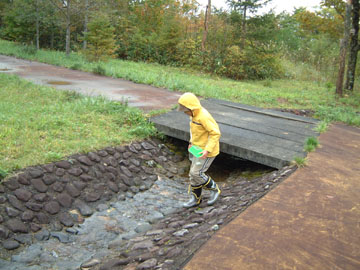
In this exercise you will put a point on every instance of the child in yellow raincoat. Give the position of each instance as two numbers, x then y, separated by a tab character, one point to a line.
204	133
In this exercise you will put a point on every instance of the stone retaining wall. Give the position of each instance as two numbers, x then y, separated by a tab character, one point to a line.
59	195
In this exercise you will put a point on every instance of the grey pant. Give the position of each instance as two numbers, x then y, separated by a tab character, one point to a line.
197	170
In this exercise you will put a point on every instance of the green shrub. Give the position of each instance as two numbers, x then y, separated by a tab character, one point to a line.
100	39
300	162
311	144
3	173
99	70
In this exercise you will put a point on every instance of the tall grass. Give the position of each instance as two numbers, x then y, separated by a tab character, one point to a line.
309	93
39	124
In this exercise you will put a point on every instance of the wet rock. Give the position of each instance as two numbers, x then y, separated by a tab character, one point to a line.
36	173
114	187
112	264
112	170
126	171
127	180
49	168
66	219
86	178
11	212
65	200
111	161
133	149
63	164
42	218
79	184
191	225
90	263
94	157
143	245
85	160
72	190
181	233
147	145
75	171
52	207
84	209
60	172
149	264
42	235
4	232
62	237
177	224
102	153
34	206
23	194
35	227
143	228
11	183
40	197
204	210
2	199
134	189
58	187
134	169
24	238
39	185
29	255
49	179
93	197
17	226
22	179
10	244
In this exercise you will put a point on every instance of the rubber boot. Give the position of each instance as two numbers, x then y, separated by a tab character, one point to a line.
195	196
214	191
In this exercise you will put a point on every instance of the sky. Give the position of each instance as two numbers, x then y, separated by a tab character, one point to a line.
277	5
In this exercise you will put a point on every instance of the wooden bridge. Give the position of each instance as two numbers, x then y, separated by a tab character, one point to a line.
263	136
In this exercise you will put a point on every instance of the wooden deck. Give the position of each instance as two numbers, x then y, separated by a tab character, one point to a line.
264	136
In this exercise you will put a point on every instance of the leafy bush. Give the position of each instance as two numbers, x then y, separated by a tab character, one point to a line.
3	173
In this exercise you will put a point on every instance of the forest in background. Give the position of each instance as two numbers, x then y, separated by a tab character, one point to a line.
235	43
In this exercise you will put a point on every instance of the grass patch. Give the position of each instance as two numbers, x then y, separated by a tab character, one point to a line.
322	127
311	144
300	162
310	93
39	124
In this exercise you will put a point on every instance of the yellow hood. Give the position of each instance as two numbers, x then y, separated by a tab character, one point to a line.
190	101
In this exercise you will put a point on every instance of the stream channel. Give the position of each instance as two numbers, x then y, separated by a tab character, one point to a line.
127	220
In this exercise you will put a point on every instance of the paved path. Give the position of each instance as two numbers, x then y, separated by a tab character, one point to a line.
310	221
138	95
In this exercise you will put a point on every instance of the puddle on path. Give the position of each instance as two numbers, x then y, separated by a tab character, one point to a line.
225	168
59	83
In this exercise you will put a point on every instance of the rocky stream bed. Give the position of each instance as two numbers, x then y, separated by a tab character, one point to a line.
137	223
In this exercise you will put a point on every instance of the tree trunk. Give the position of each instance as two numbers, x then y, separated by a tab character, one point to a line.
206	25
86	22
243	29
343	48
68	24
354	47
37	25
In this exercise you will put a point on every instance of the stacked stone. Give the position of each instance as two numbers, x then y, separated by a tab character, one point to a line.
172	241
59	195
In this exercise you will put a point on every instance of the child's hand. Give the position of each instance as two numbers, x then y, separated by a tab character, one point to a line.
204	154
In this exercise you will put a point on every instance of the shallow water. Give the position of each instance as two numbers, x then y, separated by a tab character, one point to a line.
224	165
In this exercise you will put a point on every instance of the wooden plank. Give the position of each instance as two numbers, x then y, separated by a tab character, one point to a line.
261	136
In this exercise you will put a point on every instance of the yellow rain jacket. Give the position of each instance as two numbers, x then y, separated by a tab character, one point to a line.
204	131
